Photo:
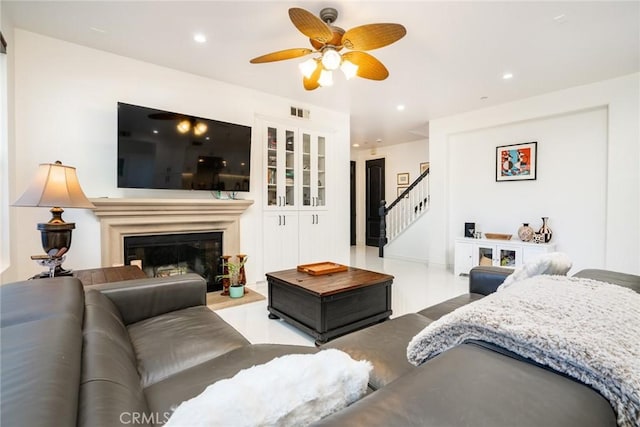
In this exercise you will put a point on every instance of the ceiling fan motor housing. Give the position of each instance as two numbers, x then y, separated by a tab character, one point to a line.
329	15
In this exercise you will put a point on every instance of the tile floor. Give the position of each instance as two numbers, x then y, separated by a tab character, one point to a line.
416	286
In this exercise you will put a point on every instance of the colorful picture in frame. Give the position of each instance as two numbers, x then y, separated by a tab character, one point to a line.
517	162
401	190
423	167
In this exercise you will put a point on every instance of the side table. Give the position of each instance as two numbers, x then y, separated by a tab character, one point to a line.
96	276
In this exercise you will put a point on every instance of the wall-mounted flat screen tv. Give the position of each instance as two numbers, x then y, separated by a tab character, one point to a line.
166	150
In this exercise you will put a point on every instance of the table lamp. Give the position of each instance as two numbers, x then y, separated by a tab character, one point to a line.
56	186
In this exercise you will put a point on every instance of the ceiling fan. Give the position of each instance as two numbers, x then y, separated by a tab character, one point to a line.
328	40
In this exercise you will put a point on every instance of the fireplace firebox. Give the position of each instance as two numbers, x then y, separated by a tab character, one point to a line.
164	255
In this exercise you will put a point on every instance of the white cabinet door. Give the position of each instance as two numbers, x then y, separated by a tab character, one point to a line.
463	262
483	254
313	169
281	164
509	256
280	241
315	242
531	253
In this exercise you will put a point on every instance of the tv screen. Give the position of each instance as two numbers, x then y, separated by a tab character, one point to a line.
166	150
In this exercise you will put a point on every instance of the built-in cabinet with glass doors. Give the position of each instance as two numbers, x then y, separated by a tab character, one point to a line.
296	221
281	166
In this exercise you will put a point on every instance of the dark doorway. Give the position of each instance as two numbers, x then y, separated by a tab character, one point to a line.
352	169
374	194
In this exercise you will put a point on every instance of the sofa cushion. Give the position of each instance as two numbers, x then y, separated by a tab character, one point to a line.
384	345
178	340
41	363
170	392
46	298
437	311
110	380
472	386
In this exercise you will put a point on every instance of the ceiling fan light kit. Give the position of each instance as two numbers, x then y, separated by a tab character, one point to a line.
328	40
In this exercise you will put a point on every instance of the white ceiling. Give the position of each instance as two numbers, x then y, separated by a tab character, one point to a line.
453	55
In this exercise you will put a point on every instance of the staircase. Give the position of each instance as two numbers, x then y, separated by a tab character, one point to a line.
404	211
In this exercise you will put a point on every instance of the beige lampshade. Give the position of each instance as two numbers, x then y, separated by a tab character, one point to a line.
55	185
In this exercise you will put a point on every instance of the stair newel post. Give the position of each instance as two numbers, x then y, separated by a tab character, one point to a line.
382	211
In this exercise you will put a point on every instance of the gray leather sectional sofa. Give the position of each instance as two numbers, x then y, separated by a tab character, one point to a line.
118	354
473	384
125	353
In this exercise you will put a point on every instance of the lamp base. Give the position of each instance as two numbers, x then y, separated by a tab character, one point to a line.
57	272
54	263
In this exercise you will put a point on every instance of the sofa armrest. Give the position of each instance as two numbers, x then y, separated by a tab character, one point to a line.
630	281
144	298
485	280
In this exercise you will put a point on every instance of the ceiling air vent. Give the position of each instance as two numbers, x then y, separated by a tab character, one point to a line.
300	112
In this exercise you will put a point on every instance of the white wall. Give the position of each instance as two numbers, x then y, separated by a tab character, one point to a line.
399	158
570	187
65	109
555	120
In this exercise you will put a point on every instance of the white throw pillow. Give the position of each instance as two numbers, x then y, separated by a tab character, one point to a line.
554	263
292	390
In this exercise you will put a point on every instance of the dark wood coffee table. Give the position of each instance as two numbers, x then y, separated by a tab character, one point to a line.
330	305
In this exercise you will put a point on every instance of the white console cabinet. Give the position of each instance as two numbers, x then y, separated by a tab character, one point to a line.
499	253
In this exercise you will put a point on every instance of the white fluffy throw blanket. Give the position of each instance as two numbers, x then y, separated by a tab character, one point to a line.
586	329
292	390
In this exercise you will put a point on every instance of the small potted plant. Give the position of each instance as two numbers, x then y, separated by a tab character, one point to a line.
234	271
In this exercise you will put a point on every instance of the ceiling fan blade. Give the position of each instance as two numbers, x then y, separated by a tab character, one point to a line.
372	36
368	66
311	83
281	55
310	25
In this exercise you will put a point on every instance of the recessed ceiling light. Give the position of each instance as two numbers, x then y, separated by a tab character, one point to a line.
378	140
507	76
200	38
400	107
97	30
155	131
355	145
562	18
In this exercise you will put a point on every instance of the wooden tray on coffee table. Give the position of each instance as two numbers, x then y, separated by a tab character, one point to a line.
320	268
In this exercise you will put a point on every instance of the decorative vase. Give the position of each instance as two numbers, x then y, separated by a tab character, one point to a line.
538	238
242	277
545	230
225	275
236	291
525	233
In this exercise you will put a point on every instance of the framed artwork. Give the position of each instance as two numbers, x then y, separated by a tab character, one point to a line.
400	190
516	162
403	178
423	167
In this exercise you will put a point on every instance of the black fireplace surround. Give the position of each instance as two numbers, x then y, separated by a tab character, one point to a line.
163	255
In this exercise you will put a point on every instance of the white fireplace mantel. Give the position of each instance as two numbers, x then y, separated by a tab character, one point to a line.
139	217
